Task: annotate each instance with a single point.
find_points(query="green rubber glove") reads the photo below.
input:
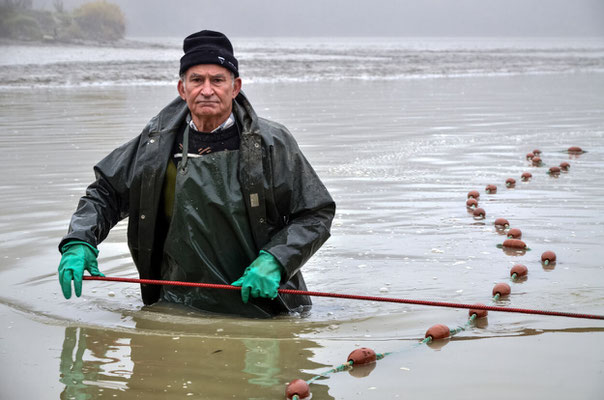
(77, 257)
(261, 278)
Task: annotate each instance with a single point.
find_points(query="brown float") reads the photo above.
(297, 387)
(536, 152)
(575, 150)
(519, 270)
(490, 189)
(510, 182)
(529, 156)
(564, 166)
(526, 176)
(514, 244)
(479, 213)
(364, 355)
(473, 194)
(548, 257)
(471, 203)
(554, 171)
(502, 222)
(503, 289)
(437, 332)
(479, 313)
(514, 233)
(536, 161)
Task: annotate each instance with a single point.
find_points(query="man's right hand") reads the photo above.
(77, 257)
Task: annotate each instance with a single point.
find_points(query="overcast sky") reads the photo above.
(361, 17)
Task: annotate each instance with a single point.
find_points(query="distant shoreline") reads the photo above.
(119, 44)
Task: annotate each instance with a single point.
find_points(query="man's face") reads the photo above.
(209, 91)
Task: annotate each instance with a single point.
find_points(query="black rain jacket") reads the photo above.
(289, 209)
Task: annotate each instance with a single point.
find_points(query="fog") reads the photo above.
(525, 18)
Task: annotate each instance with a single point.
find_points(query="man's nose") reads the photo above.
(206, 89)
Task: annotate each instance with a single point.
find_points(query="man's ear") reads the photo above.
(181, 89)
(237, 86)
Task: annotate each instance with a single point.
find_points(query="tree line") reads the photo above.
(99, 21)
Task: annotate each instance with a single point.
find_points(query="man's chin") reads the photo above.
(206, 111)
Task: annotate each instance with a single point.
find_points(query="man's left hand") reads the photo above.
(261, 278)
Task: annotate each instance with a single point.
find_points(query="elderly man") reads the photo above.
(213, 194)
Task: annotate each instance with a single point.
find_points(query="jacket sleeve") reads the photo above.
(106, 201)
(303, 203)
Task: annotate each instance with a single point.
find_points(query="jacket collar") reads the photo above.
(245, 114)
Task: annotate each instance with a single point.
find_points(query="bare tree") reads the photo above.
(59, 6)
(17, 4)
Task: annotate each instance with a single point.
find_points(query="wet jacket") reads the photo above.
(289, 209)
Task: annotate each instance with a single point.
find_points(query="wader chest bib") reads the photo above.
(209, 239)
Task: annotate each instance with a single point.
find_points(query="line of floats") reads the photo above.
(299, 389)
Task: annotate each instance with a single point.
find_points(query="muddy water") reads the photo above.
(399, 158)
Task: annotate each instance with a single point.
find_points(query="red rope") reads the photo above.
(353, 297)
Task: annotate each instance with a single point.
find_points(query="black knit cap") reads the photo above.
(208, 47)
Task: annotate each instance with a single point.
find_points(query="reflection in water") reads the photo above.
(437, 345)
(261, 360)
(72, 375)
(98, 363)
(361, 371)
(101, 361)
(513, 252)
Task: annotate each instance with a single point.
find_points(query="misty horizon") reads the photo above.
(380, 18)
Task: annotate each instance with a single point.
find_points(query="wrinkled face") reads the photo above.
(209, 91)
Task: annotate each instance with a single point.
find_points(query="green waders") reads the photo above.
(209, 239)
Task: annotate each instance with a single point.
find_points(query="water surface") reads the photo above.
(399, 157)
